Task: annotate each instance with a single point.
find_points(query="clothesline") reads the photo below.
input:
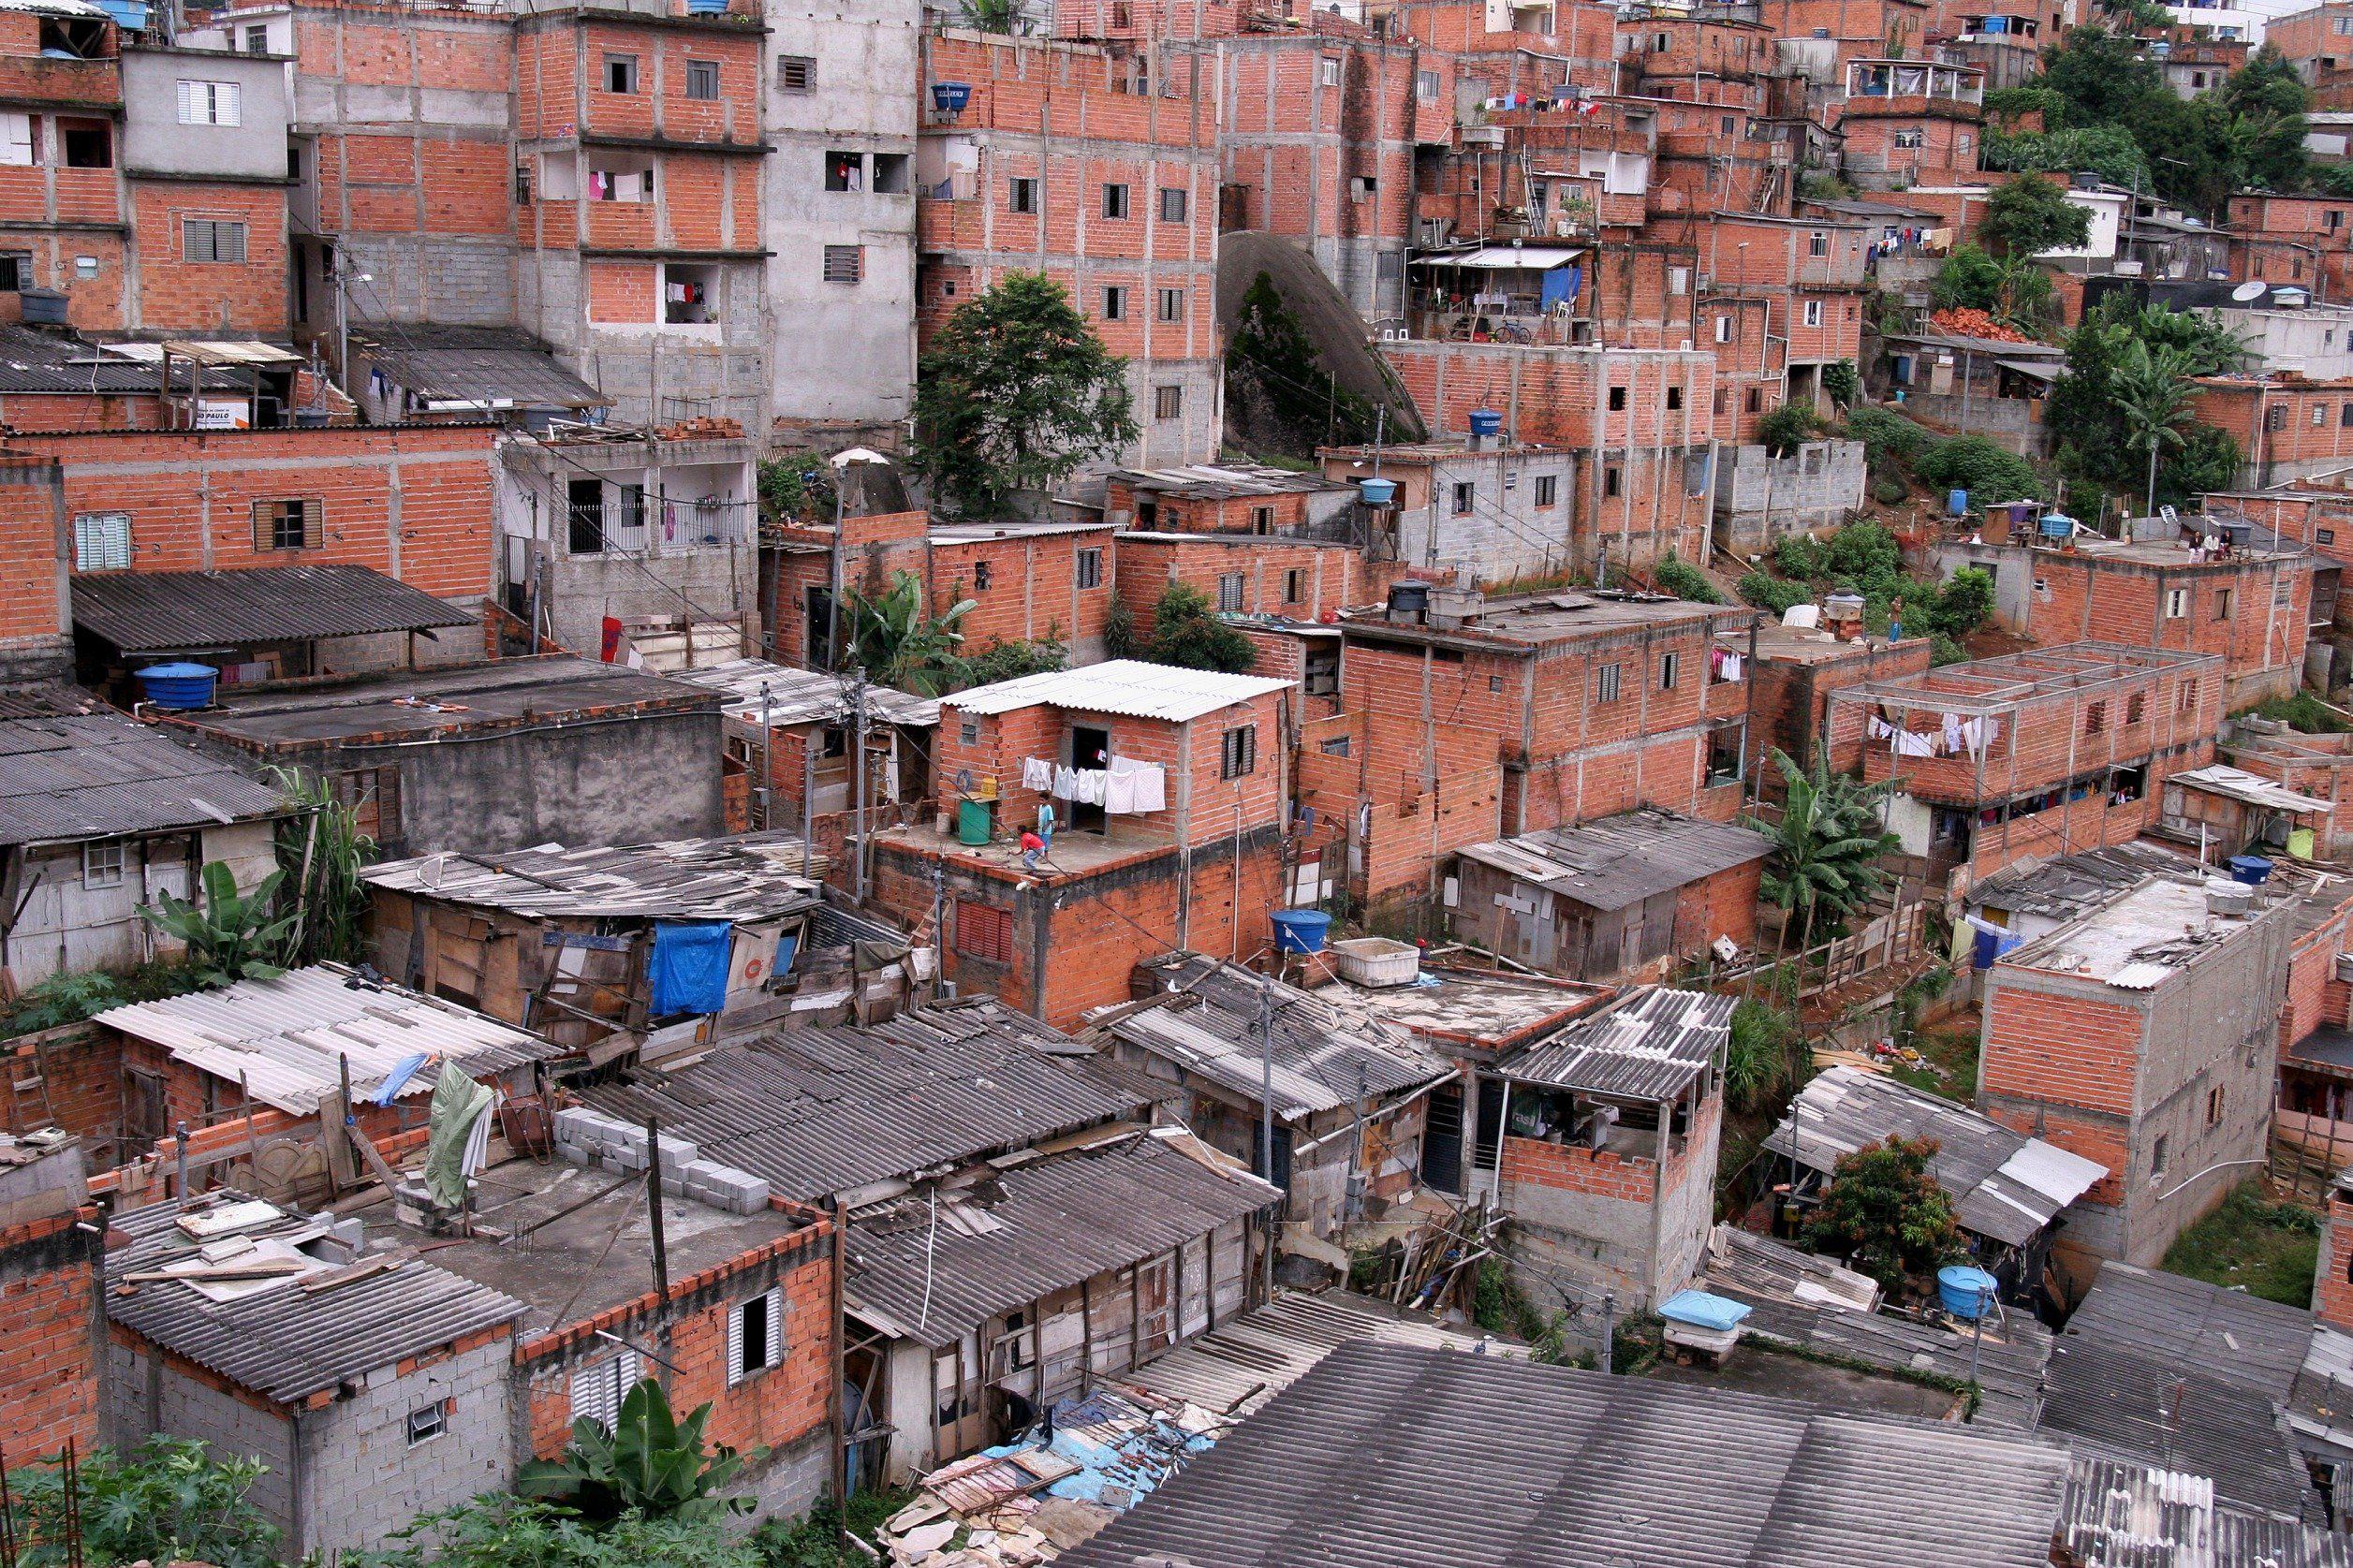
(1124, 787)
(1957, 736)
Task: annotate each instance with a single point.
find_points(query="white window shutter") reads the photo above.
(228, 104)
(187, 102)
(735, 1344)
(776, 1326)
(16, 140)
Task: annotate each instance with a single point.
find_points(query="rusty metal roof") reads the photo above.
(1622, 859)
(161, 612)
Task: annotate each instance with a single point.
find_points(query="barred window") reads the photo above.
(287, 524)
(845, 263)
(984, 932)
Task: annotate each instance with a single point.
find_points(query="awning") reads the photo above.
(160, 612)
(2251, 789)
(2040, 370)
(1523, 258)
(226, 354)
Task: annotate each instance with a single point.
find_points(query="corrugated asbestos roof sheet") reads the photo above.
(1622, 859)
(1814, 1305)
(157, 612)
(2004, 1184)
(800, 696)
(1126, 686)
(286, 1037)
(1208, 1025)
(683, 879)
(2252, 788)
(2074, 884)
(1037, 1228)
(284, 1342)
(97, 775)
(1410, 1457)
(2155, 1368)
(483, 364)
(820, 1111)
(2132, 1515)
(1245, 1361)
(1649, 1046)
(34, 360)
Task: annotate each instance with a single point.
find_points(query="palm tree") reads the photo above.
(2152, 392)
(1824, 863)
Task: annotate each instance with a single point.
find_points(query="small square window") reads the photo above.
(1294, 586)
(1239, 752)
(1617, 398)
(1612, 480)
(1426, 86)
(1724, 329)
(1669, 667)
(1547, 487)
(1172, 304)
(1261, 519)
(1173, 204)
(1114, 303)
(2135, 707)
(1115, 201)
(2319, 416)
(1674, 399)
(1167, 403)
(968, 732)
(845, 263)
(796, 73)
(2214, 1106)
(2224, 599)
(1814, 312)
(1817, 242)
(1329, 71)
(1605, 683)
(755, 1335)
(1495, 683)
(1090, 569)
(102, 542)
(102, 864)
(702, 79)
(288, 524)
(2324, 536)
(427, 1422)
(984, 932)
(621, 73)
(1466, 493)
(211, 239)
(1363, 188)
(844, 171)
(1021, 194)
(1230, 592)
(2095, 718)
(257, 39)
(2176, 603)
(983, 575)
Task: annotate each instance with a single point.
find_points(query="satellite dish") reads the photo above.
(2248, 291)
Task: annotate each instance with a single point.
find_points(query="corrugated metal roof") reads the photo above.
(96, 775)
(2254, 790)
(478, 364)
(158, 613)
(2156, 1369)
(1035, 1229)
(1208, 1025)
(1622, 859)
(1130, 687)
(683, 879)
(820, 1111)
(1245, 1361)
(35, 360)
(1649, 1045)
(287, 1037)
(2075, 884)
(1410, 1457)
(800, 696)
(2004, 1184)
(2133, 1515)
(284, 1342)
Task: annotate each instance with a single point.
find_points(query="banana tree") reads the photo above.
(899, 643)
(229, 936)
(649, 1463)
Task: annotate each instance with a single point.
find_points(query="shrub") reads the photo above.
(1770, 593)
(1788, 427)
(1964, 604)
(166, 1501)
(1987, 471)
(1685, 581)
(1863, 551)
(1801, 556)
(1943, 650)
(1885, 435)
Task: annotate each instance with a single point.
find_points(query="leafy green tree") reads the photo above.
(1276, 384)
(1761, 1059)
(2031, 215)
(1823, 866)
(1015, 394)
(1785, 428)
(2101, 78)
(2266, 100)
(2107, 150)
(650, 1464)
(1962, 605)
(992, 16)
(1886, 1216)
(322, 852)
(1988, 472)
(1187, 633)
(500, 1531)
(1864, 552)
(897, 641)
(1840, 382)
(168, 1501)
(794, 486)
(229, 936)
(1969, 280)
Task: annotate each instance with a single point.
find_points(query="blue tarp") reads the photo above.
(688, 968)
(1561, 284)
(1703, 1310)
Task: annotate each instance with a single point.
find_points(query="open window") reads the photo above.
(690, 294)
(85, 144)
(620, 177)
(891, 174)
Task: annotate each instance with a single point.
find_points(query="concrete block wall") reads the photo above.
(362, 1478)
(588, 1137)
(147, 1391)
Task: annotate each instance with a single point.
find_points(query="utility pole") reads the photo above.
(653, 1208)
(1266, 1109)
(1609, 1330)
(767, 772)
(833, 587)
(858, 786)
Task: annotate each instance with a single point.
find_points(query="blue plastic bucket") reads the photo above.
(1301, 931)
(1957, 503)
(1377, 493)
(179, 686)
(1965, 1291)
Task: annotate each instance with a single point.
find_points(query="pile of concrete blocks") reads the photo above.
(588, 1137)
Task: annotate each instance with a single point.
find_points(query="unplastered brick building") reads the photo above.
(2143, 1036)
(1168, 791)
(51, 1244)
(2037, 753)
(1098, 169)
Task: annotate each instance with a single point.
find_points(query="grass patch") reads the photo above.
(2303, 712)
(2252, 1244)
(1953, 1048)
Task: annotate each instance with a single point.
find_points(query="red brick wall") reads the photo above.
(1033, 592)
(2333, 1282)
(2067, 1053)
(31, 615)
(177, 294)
(191, 494)
(2081, 598)
(1329, 577)
(48, 1298)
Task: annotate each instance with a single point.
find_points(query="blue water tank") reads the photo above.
(1965, 1290)
(1957, 502)
(179, 686)
(1376, 493)
(1301, 931)
(1486, 421)
(949, 97)
(2252, 869)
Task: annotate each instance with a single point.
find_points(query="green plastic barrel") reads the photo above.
(972, 822)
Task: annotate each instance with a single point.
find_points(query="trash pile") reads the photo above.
(1029, 1502)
